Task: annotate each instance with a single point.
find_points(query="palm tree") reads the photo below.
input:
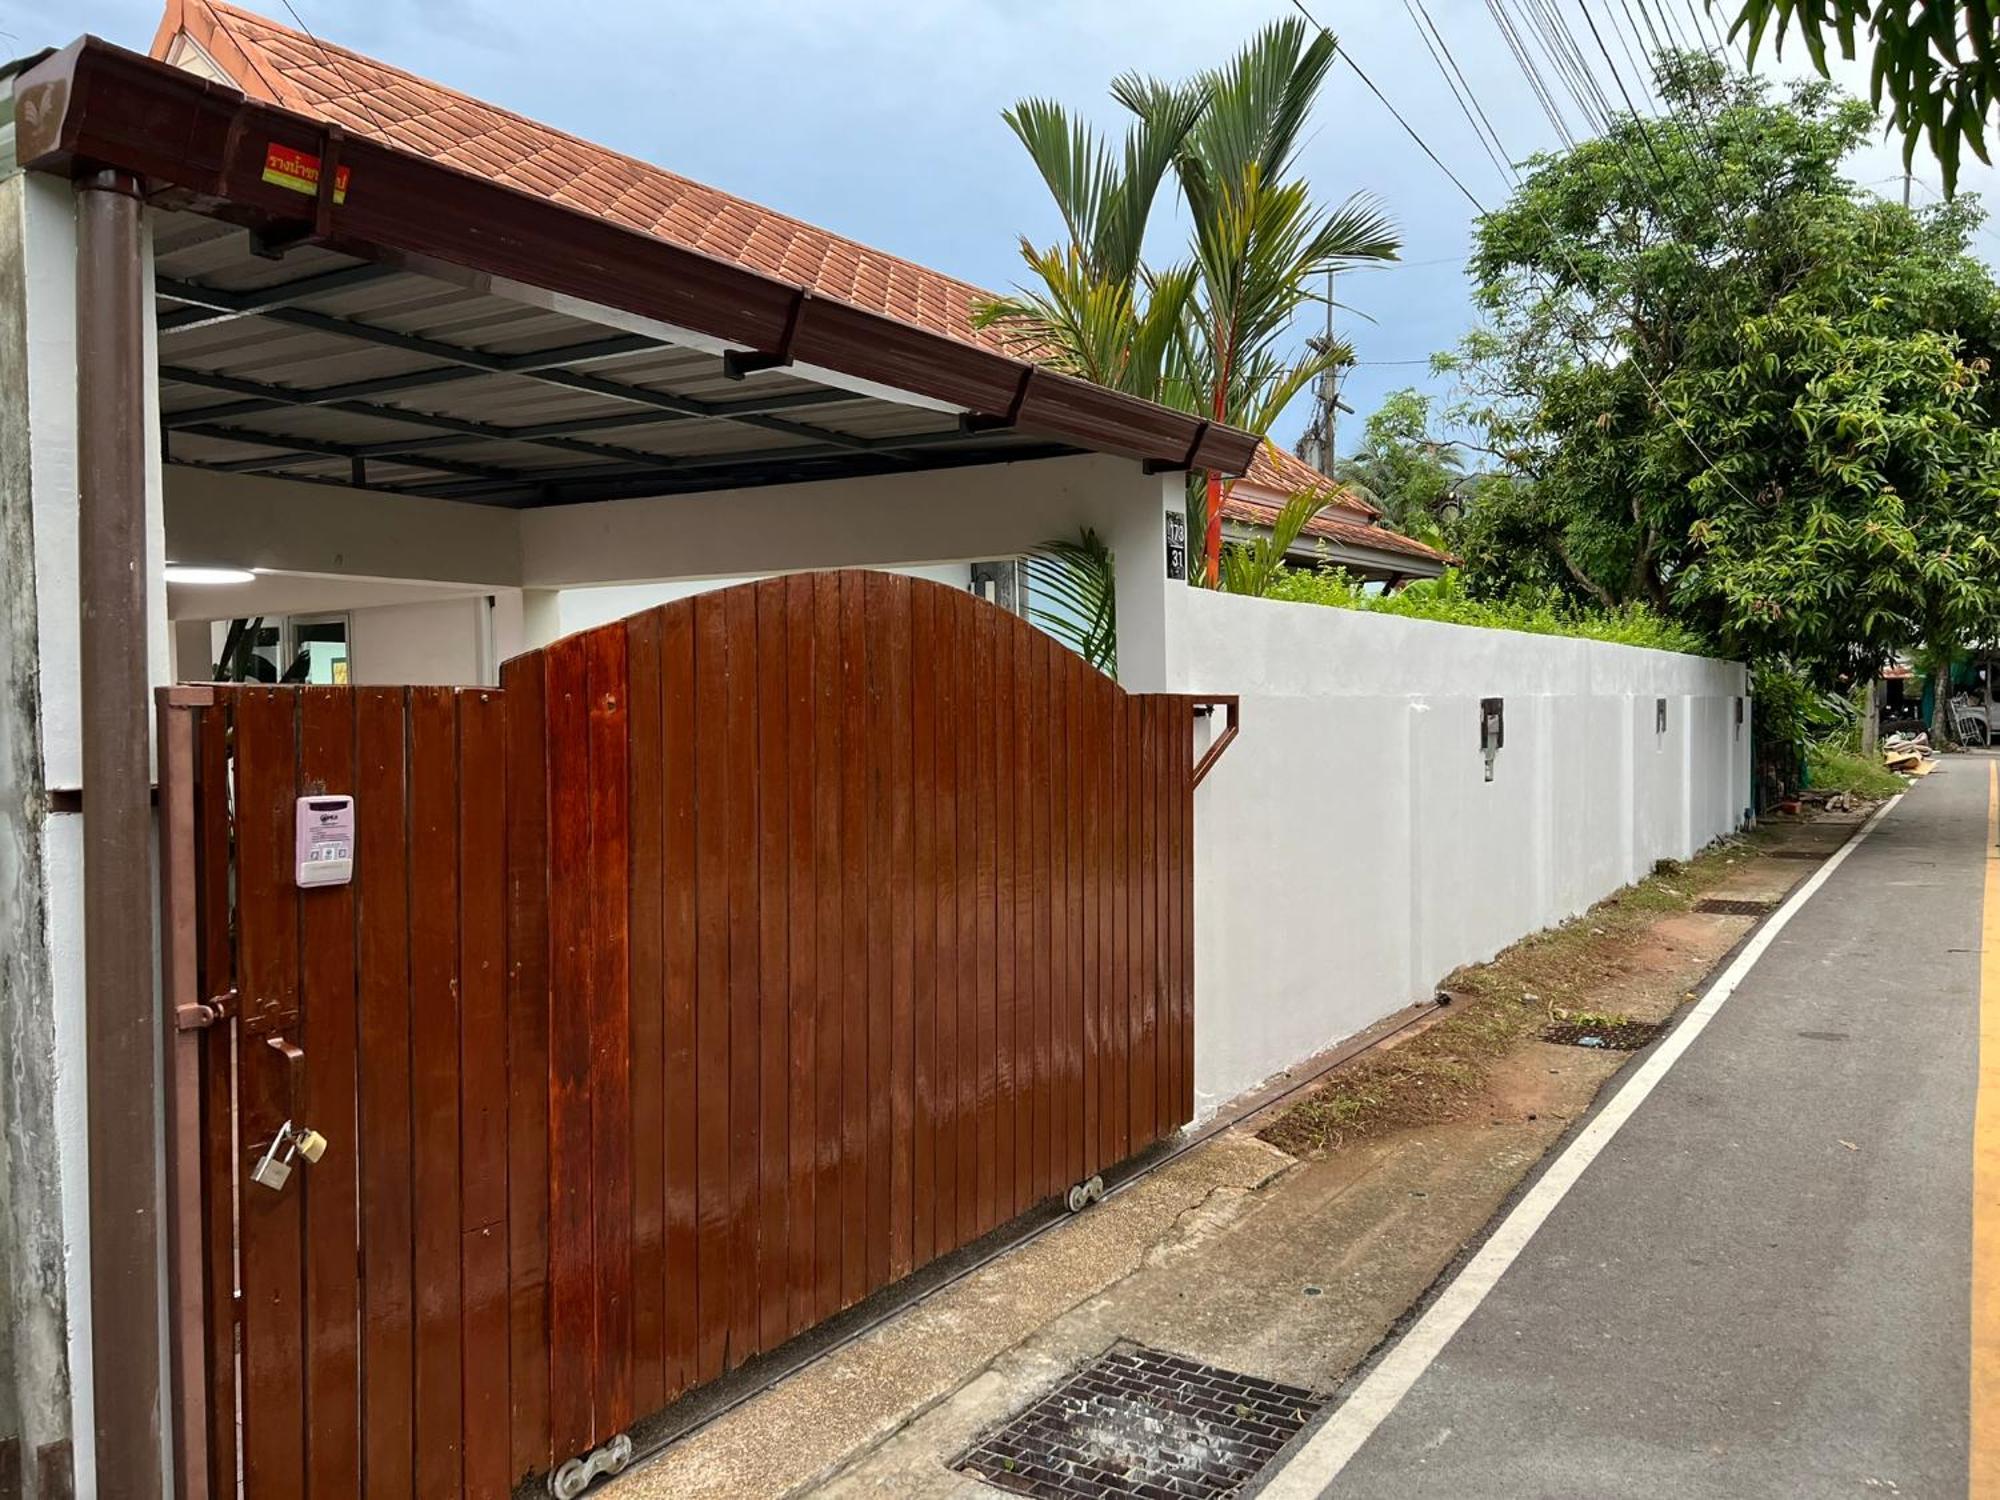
(1203, 334)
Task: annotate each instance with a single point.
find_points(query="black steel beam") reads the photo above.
(215, 306)
(533, 366)
(293, 448)
(886, 455)
(266, 397)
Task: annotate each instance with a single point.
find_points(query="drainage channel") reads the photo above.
(1731, 906)
(1137, 1421)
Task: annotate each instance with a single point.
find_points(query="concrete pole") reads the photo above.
(120, 1014)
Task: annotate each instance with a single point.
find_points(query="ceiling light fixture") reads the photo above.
(176, 573)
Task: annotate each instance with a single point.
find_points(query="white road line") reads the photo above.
(1308, 1473)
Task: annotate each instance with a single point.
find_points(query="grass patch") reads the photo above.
(1554, 974)
(1834, 769)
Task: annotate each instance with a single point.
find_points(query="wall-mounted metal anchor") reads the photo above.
(1085, 1193)
(574, 1477)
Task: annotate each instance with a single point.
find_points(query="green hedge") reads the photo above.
(1445, 599)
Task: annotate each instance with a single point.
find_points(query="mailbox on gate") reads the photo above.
(325, 840)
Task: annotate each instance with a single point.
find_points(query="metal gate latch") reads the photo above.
(574, 1477)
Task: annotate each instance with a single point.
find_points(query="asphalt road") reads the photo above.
(1761, 1287)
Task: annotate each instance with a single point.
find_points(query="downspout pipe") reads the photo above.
(120, 1014)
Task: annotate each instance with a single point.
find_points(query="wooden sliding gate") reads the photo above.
(727, 964)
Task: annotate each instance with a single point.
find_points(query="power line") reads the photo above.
(1495, 153)
(1710, 465)
(1408, 128)
(1536, 83)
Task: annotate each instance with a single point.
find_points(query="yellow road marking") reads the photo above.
(1985, 1453)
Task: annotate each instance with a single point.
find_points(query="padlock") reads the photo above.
(273, 1171)
(311, 1144)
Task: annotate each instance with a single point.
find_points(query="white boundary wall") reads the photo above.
(1349, 852)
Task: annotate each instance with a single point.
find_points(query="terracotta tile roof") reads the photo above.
(280, 66)
(1335, 526)
(284, 67)
(1283, 474)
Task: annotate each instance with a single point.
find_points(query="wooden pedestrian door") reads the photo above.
(725, 965)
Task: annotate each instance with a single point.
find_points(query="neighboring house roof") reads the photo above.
(280, 66)
(1348, 521)
(1338, 527)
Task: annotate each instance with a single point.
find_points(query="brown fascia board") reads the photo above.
(203, 145)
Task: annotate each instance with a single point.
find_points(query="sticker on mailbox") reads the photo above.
(325, 840)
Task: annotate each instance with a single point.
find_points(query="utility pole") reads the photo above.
(1316, 446)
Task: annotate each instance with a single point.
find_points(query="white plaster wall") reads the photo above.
(436, 644)
(1349, 852)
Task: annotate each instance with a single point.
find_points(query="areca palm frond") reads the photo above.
(1253, 566)
(1207, 336)
(1077, 578)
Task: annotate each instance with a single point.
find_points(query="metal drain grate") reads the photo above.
(1139, 1422)
(1730, 906)
(1625, 1036)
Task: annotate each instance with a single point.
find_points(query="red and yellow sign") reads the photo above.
(299, 171)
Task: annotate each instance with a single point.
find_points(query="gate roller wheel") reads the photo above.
(574, 1477)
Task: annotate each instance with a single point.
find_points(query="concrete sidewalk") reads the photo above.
(1761, 1286)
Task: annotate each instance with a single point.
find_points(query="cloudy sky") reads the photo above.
(880, 119)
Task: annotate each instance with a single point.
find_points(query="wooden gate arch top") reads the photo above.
(727, 964)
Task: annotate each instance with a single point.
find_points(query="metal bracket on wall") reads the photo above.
(1203, 707)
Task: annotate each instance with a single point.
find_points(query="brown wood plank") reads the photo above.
(383, 1148)
(1183, 793)
(947, 616)
(572, 1292)
(855, 903)
(482, 962)
(1064, 1117)
(645, 936)
(524, 683)
(971, 707)
(774, 913)
(1019, 832)
(1151, 803)
(923, 922)
(1089, 753)
(328, 1025)
(682, 1159)
(1042, 799)
(802, 969)
(987, 847)
(875, 594)
(220, 1152)
(268, 970)
(434, 1077)
(712, 1012)
(1075, 669)
(1138, 934)
(1007, 1029)
(483, 1279)
(610, 1027)
(829, 927)
(740, 721)
(1121, 949)
(895, 726)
